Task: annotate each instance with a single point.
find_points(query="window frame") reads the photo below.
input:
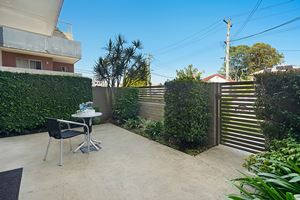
(28, 61)
(64, 67)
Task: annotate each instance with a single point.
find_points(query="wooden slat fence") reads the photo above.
(151, 100)
(153, 94)
(236, 124)
(240, 127)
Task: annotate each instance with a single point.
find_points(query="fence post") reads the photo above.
(218, 113)
(214, 131)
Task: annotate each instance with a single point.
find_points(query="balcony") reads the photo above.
(11, 38)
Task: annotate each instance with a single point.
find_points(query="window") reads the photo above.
(64, 69)
(29, 64)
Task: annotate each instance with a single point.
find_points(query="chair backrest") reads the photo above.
(53, 127)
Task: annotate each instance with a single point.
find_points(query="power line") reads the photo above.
(248, 18)
(263, 8)
(271, 15)
(192, 36)
(194, 53)
(160, 75)
(291, 50)
(267, 30)
(195, 40)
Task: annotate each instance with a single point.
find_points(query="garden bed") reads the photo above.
(154, 130)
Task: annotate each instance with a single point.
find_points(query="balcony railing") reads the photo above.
(36, 71)
(23, 40)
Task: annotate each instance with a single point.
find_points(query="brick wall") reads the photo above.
(9, 60)
(57, 66)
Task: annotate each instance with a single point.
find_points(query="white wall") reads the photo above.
(217, 79)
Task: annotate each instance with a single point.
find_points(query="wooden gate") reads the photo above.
(239, 125)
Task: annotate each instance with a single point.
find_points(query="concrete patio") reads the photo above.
(127, 167)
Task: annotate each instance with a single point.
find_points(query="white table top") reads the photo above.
(86, 115)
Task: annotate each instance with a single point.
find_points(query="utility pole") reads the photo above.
(227, 42)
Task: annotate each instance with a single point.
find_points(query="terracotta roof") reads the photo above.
(214, 75)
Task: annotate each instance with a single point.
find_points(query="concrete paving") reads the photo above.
(128, 166)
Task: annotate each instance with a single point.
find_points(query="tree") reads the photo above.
(139, 75)
(188, 73)
(121, 60)
(263, 56)
(238, 64)
(245, 60)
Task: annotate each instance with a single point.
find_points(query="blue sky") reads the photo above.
(175, 31)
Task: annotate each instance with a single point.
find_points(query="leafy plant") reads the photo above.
(122, 61)
(132, 123)
(146, 127)
(96, 121)
(239, 57)
(280, 151)
(187, 113)
(270, 186)
(152, 128)
(125, 105)
(26, 99)
(278, 104)
(189, 73)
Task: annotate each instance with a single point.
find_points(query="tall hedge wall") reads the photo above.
(125, 104)
(187, 114)
(26, 99)
(278, 104)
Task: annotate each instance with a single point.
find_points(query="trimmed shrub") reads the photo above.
(125, 105)
(187, 113)
(278, 104)
(26, 99)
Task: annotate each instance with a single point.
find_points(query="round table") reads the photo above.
(87, 119)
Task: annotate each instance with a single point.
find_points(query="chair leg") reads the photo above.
(45, 157)
(61, 153)
(70, 144)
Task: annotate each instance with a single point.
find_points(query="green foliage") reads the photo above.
(189, 73)
(26, 99)
(270, 186)
(245, 60)
(276, 173)
(138, 76)
(125, 105)
(187, 114)
(278, 104)
(122, 61)
(238, 65)
(96, 121)
(132, 123)
(262, 56)
(280, 151)
(147, 127)
(152, 129)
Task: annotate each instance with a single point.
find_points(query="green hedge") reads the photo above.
(187, 114)
(278, 104)
(26, 99)
(125, 104)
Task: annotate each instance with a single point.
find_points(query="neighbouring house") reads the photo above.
(30, 40)
(216, 78)
(281, 68)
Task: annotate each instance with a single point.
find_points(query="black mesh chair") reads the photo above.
(55, 131)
